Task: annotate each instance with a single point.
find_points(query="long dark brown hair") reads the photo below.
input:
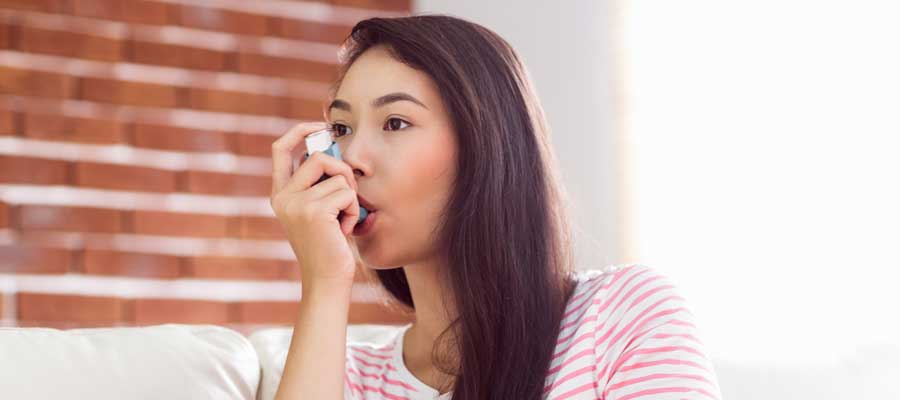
(504, 232)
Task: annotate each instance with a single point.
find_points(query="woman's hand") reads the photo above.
(308, 212)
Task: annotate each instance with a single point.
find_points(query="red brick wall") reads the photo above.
(135, 157)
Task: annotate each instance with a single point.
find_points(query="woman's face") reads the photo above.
(403, 154)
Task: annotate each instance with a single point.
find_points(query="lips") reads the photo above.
(365, 203)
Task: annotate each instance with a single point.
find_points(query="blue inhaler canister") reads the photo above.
(322, 141)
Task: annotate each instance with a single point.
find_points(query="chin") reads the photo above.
(374, 259)
(380, 267)
(374, 266)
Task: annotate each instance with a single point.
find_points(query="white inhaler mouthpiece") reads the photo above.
(322, 141)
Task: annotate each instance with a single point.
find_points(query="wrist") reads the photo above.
(326, 291)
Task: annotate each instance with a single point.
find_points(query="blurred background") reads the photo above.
(135, 159)
(749, 150)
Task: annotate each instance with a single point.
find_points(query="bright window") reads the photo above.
(764, 141)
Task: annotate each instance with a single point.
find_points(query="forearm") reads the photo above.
(315, 364)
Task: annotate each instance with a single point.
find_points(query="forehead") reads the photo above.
(376, 73)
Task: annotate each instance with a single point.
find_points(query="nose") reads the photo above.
(354, 152)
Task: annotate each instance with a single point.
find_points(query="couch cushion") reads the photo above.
(272, 346)
(170, 361)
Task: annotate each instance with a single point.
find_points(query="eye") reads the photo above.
(339, 130)
(392, 124)
(395, 126)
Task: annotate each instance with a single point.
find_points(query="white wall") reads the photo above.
(566, 51)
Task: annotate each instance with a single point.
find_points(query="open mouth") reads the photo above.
(366, 225)
(365, 204)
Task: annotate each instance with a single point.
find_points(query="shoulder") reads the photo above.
(610, 281)
(609, 310)
(630, 304)
(645, 338)
(628, 296)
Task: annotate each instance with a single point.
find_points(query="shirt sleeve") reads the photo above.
(648, 345)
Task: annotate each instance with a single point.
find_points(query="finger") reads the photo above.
(283, 149)
(344, 200)
(327, 187)
(317, 164)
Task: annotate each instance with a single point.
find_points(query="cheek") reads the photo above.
(426, 176)
(427, 171)
(423, 177)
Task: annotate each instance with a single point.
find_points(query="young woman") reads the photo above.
(444, 142)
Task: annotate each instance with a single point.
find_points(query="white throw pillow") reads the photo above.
(169, 361)
(272, 346)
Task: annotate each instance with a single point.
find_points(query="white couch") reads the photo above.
(181, 361)
(169, 361)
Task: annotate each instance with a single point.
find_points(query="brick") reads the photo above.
(207, 182)
(304, 109)
(176, 56)
(311, 31)
(86, 219)
(98, 131)
(123, 177)
(386, 5)
(261, 64)
(293, 274)
(35, 83)
(165, 137)
(20, 259)
(125, 92)
(45, 126)
(67, 43)
(161, 311)
(73, 129)
(268, 312)
(53, 6)
(6, 35)
(63, 308)
(20, 169)
(254, 145)
(236, 268)
(236, 102)
(146, 12)
(221, 20)
(120, 263)
(179, 224)
(253, 227)
(8, 122)
(5, 217)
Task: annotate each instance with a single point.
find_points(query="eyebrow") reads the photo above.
(379, 102)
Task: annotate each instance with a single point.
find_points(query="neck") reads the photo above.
(434, 303)
(434, 312)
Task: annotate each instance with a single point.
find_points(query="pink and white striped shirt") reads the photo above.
(626, 334)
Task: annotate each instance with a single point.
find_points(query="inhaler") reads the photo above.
(322, 141)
